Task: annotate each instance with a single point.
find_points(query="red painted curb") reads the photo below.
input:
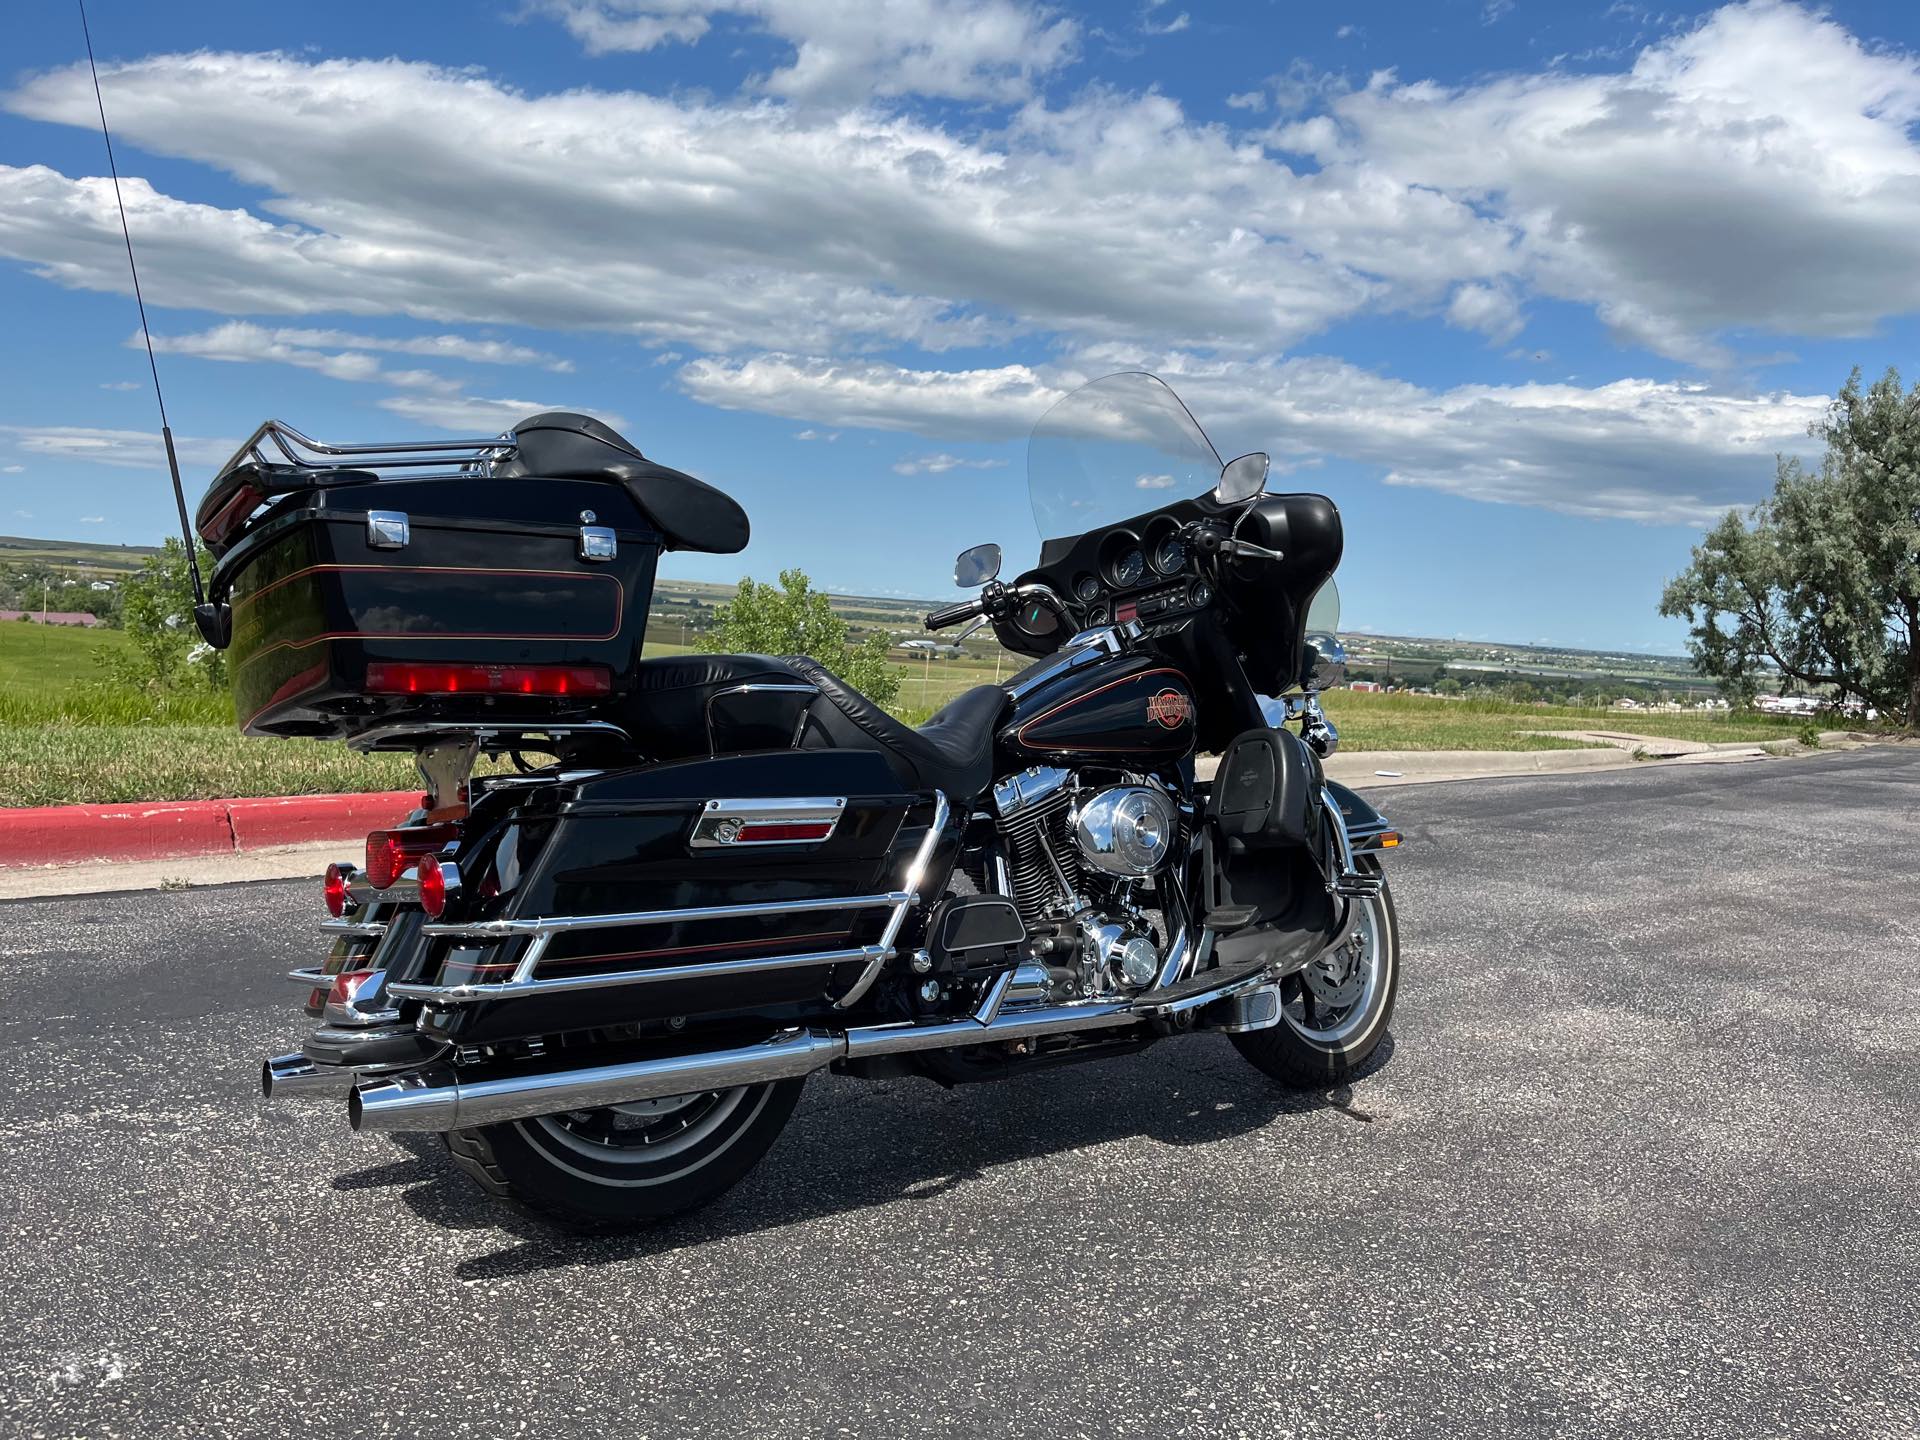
(161, 829)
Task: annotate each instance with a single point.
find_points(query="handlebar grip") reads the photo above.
(953, 614)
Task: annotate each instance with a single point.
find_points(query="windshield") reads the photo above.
(1323, 615)
(1113, 449)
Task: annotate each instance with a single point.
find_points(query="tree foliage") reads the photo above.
(156, 608)
(1820, 585)
(792, 618)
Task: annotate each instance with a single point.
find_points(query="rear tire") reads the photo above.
(1317, 1044)
(632, 1165)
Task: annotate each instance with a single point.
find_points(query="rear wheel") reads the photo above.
(1335, 1013)
(628, 1165)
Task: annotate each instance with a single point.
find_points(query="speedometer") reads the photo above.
(1170, 554)
(1130, 568)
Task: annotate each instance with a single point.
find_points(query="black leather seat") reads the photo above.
(952, 752)
(687, 705)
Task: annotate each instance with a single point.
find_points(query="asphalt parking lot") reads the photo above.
(1641, 1162)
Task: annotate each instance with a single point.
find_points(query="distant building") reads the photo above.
(1368, 685)
(53, 617)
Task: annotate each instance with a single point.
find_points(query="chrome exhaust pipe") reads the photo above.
(437, 1100)
(295, 1077)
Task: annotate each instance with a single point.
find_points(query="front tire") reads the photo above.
(1335, 1013)
(624, 1166)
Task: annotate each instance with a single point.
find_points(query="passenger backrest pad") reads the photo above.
(1267, 790)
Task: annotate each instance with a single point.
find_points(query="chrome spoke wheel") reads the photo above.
(643, 1131)
(1335, 996)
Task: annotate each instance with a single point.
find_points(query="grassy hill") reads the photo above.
(75, 555)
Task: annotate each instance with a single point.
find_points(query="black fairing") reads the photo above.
(1267, 602)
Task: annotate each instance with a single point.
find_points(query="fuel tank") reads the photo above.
(1113, 709)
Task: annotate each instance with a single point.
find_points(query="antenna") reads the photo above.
(166, 431)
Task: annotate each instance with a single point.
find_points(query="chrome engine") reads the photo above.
(1073, 855)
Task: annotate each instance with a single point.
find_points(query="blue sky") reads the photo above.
(1532, 290)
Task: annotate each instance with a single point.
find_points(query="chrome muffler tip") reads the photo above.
(400, 1106)
(295, 1077)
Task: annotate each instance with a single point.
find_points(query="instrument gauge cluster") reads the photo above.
(1086, 589)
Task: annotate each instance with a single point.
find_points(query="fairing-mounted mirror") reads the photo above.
(975, 567)
(1242, 479)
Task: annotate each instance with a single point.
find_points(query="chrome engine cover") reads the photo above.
(1126, 830)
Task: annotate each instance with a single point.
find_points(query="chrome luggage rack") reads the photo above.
(298, 455)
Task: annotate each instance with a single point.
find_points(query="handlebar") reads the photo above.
(956, 613)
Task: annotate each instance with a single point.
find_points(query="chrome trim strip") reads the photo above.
(561, 924)
(706, 970)
(717, 817)
(356, 929)
(916, 876)
(312, 975)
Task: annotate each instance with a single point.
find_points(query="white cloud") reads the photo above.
(764, 227)
(1692, 193)
(849, 51)
(123, 385)
(1173, 26)
(1489, 309)
(829, 436)
(475, 415)
(127, 449)
(1254, 100)
(1153, 482)
(1656, 451)
(93, 519)
(12, 469)
(991, 404)
(941, 463)
(242, 341)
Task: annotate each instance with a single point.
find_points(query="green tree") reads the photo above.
(156, 607)
(1820, 585)
(792, 618)
(1446, 685)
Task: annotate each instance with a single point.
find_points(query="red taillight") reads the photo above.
(335, 889)
(406, 677)
(390, 852)
(433, 888)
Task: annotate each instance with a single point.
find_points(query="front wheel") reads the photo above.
(1334, 1013)
(628, 1165)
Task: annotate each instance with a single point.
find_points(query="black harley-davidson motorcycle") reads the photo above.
(603, 967)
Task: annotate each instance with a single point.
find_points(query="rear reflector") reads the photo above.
(390, 852)
(403, 677)
(335, 889)
(766, 831)
(433, 889)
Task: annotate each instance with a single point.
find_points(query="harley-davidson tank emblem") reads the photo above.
(1170, 709)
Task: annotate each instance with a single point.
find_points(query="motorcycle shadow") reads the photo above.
(855, 1145)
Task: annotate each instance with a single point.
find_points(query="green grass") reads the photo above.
(69, 737)
(77, 764)
(1369, 721)
(38, 658)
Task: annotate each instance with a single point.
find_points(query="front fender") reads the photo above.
(1367, 828)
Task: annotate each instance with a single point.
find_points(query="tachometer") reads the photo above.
(1170, 554)
(1129, 568)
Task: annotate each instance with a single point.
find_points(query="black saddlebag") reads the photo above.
(645, 856)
